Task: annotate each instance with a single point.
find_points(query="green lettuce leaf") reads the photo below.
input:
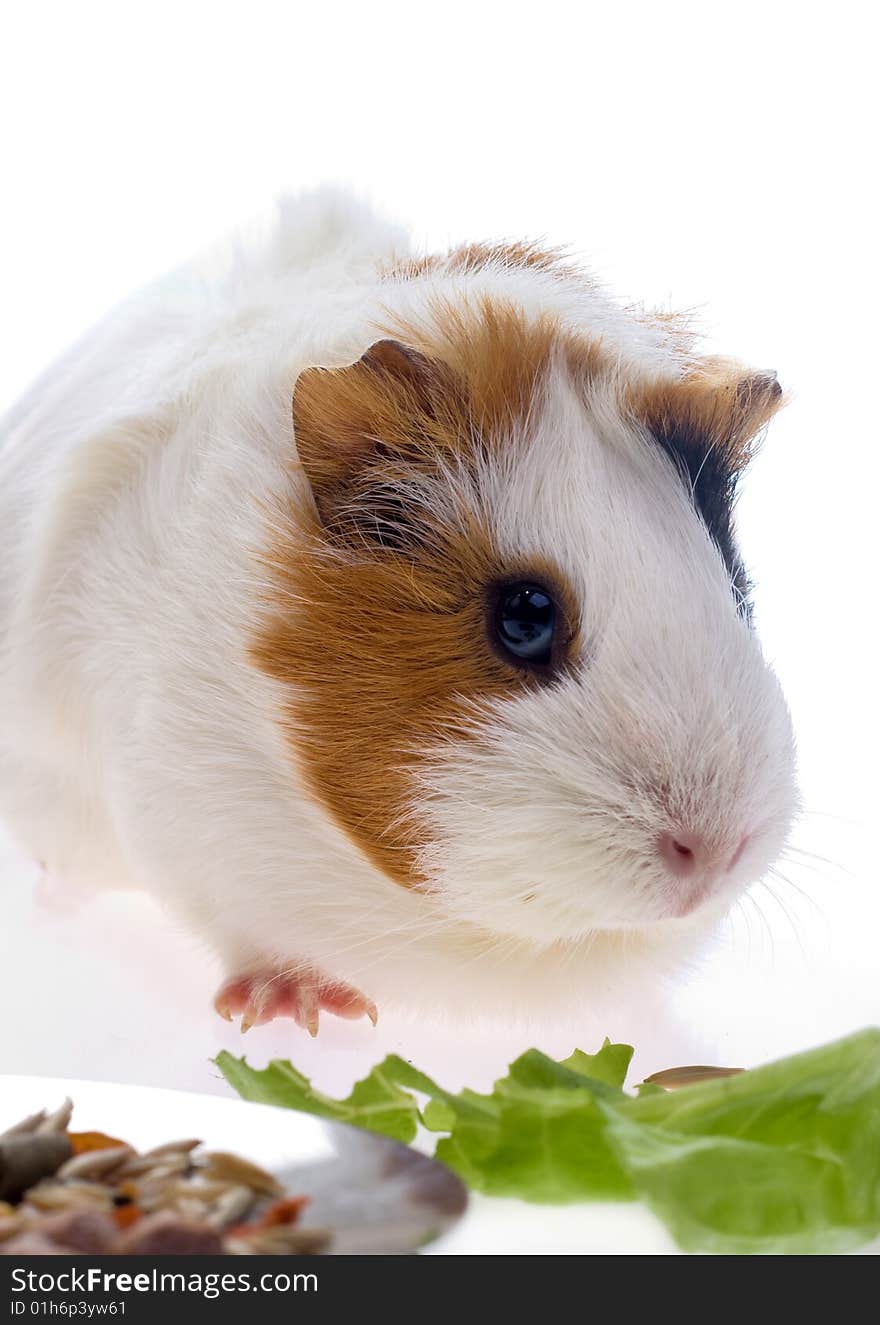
(784, 1158)
(375, 1103)
(541, 1133)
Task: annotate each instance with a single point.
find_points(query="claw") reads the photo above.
(298, 993)
(307, 1007)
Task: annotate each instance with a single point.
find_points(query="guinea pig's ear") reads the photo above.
(347, 419)
(719, 406)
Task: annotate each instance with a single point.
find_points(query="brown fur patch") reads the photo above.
(502, 358)
(519, 255)
(718, 404)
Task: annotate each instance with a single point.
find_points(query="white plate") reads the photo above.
(376, 1195)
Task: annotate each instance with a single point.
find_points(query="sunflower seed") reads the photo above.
(183, 1147)
(26, 1158)
(66, 1195)
(95, 1163)
(152, 1168)
(221, 1164)
(674, 1078)
(57, 1121)
(231, 1207)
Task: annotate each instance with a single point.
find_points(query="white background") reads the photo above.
(721, 158)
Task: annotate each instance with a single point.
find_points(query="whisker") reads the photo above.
(768, 928)
(795, 930)
(776, 873)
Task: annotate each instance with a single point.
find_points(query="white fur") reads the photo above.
(139, 747)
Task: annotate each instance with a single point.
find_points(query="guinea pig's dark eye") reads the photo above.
(525, 623)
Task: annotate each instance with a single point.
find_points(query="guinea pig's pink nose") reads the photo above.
(682, 852)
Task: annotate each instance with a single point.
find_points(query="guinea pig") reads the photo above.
(382, 616)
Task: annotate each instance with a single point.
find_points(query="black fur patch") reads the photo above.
(711, 483)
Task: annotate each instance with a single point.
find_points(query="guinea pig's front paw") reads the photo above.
(302, 993)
